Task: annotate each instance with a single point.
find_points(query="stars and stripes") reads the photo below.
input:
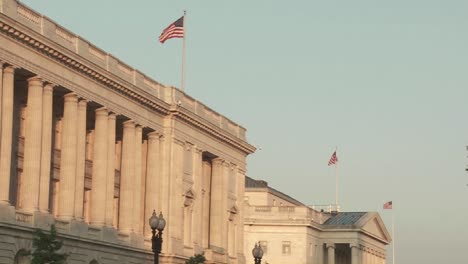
(174, 30)
(388, 205)
(333, 159)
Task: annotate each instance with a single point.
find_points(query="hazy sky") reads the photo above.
(385, 81)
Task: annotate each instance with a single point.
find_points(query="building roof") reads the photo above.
(344, 218)
(256, 184)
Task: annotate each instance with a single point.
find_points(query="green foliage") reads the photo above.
(46, 247)
(197, 259)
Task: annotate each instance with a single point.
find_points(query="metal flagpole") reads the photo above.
(182, 85)
(336, 177)
(393, 237)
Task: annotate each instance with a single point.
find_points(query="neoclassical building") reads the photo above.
(290, 232)
(94, 146)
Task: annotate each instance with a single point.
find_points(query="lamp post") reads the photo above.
(157, 223)
(257, 253)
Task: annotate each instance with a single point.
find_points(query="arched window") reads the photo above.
(22, 257)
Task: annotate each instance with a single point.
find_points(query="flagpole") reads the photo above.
(336, 180)
(182, 85)
(393, 237)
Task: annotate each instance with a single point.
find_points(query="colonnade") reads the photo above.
(359, 255)
(83, 162)
(34, 192)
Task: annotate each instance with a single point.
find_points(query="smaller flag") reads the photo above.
(333, 159)
(174, 30)
(388, 205)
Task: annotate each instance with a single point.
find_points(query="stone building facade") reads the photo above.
(94, 146)
(291, 232)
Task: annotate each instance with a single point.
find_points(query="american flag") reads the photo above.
(174, 30)
(388, 205)
(333, 159)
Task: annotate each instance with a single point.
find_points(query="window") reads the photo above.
(264, 246)
(286, 247)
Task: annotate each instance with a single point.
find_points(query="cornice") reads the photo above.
(38, 44)
(212, 130)
(42, 45)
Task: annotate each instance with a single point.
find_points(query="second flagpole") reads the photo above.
(182, 84)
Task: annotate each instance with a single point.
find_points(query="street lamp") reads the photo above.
(157, 223)
(257, 253)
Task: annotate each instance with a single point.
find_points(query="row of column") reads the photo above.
(36, 175)
(356, 258)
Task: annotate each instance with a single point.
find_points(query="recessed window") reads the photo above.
(264, 246)
(286, 247)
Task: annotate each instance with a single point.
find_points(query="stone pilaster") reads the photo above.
(153, 179)
(206, 196)
(137, 206)
(218, 210)
(110, 170)
(354, 253)
(29, 188)
(46, 155)
(331, 253)
(80, 159)
(6, 133)
(126, 177)
(98, 186)
(66, 197)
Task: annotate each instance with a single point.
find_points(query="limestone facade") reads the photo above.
(291, 232)
(94, 146)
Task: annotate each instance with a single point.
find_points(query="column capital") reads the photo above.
(101, 111)
(49, 87)
(354, 245)
(154, 135)
(129, 123)
(10, 69)
(49, 84)
(35, 80)
(70, 97)
(82, 102)
(112, 115)
(330, 245)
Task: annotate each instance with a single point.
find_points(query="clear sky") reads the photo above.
(385, 81)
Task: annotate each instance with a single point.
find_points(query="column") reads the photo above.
(319, 257)
(29, 188)
(218, 210)
(6, 133)
(46, 155)
(206, 197)
(153, 178)
(126, 177)
(98, 183)
(80, 159)
(331, 253)
(110, 169)
(137, 207)
(354, 253)
(66, 197)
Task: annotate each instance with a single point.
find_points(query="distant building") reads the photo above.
(291, 232)
(93, 146)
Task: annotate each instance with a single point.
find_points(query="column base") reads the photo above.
(42, 220)
(78, 228)
(7, 213)
(137, 240)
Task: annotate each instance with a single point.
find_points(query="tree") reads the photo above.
(46, 247)
(197, 259)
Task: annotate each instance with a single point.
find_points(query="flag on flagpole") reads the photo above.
(333, 159)
(388, 205)
(174, 30)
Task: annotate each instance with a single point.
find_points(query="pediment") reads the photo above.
(374, 226)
